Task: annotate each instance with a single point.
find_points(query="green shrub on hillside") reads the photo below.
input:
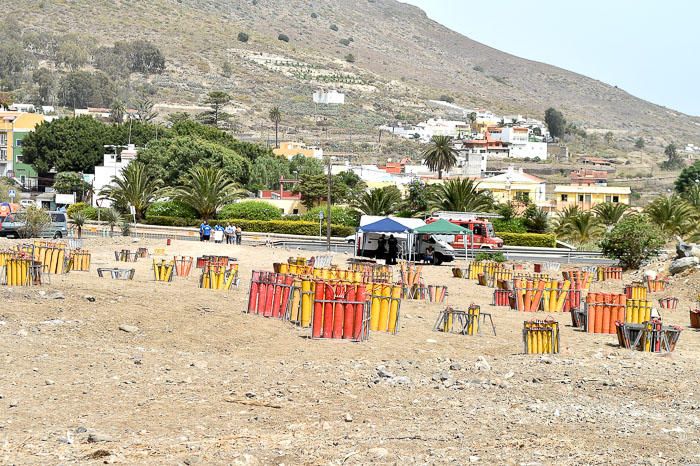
(251, 210)
(532, 240)
(283, 37)
(243, 37)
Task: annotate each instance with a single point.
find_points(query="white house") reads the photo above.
(329, 97)
(111, 167)
(520, 142)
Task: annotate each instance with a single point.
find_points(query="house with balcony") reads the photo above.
(290, 149)
(14, 127)
(515, 186)
(587, 196)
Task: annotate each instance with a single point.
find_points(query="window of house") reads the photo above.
(295, 211)
(18, 143)
(564, 198)
(608, 198)
(3, 153)
(580, 197)
(616, 198)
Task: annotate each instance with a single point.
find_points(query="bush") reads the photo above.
(514, 225)
(447, 98)
(243, 37)
(251, 210)
(283, 37)
(485, 256)
(350, 58)
(633, 240)
(334, 27)
(314, 15)
(532, 240)
(339, 215)
(344, 42)
(88, 211)
(170, 209)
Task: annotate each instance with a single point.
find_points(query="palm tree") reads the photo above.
(79, 220)
(440, 155)
(609, 213)
(275, 116)
(565, 217)
(206, 189)
(117, 111)
(582, 228)
(135, 187)
(673, 215)
(460, 195)
(378, 201)
(536, 219)
(112, 218)
(692, 196)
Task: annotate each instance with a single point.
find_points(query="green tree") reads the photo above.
(243, 37)
(639, 143)
(81, 89)
(245, 149)
(633, 240)
(170, 209)
(305, 165)
(535, 219)
(314, 189)
(350, 58)
(507, 210)
(379, 201)
(472, 121)
(689, 176)
(206, 189)
(168, 159)
(142, 56)
(217, 100)
(46, 85)
(564, 217)
(555, 121)
(69, 183)
(608, 138)
(72, 51)
(672, 214)
(133, 187)
(418, 197)
(33, 221)
(67, 144)
(340, 215)
(355, 186)
(692, 196)
(673, 159)
(440, 155)
(460, 195)
(266, 171)
(111, 217)
(276, 116)
(609, 213)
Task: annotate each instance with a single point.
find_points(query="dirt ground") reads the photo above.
(200, 382)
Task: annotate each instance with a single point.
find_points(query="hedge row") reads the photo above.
(533, 240)
(289, 227)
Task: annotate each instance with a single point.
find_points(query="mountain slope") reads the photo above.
(402, 58)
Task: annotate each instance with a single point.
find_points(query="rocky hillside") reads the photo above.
(400, 59)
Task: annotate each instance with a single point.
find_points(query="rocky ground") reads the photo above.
(101, 371)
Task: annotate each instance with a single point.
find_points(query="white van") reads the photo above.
(368, 245)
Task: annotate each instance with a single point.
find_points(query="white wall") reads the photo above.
(529, 149)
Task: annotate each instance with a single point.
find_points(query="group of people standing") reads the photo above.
(388, 249)
(231, 234)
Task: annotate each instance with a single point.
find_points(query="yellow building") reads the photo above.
(290, 149)
(515, 186)
(588, 196)
(14, 126)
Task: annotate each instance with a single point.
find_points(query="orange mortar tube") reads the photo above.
(339, 314)
(318, 309)
(360, 296)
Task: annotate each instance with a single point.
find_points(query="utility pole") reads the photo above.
(328, 208)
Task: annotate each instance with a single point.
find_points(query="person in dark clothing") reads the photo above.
(393, 250)
(381, 247)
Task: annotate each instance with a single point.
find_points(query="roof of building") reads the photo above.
(285, 195)
(592, 189)
(513, 176)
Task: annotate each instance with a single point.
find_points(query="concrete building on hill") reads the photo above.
(290, 149)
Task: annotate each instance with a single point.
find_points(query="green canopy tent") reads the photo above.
(444, 227)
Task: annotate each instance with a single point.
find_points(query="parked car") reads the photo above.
(12, 225)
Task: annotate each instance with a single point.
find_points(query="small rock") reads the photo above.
(200, 364)
(348, 417)
(14, 403)
(54, 295)
(378, 452)
(89, 298)
(49, 382)
(508, 375)
(80, 430)
(474, 459)
(482, 364)
(22, 333)
(455, 366)
(382, 372)
(250, 394)
(191, 460)
(96, 437)
(326, 425)
(430, 340)
(128, 328)
(401, 380)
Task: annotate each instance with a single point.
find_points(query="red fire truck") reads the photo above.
(484, 236)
